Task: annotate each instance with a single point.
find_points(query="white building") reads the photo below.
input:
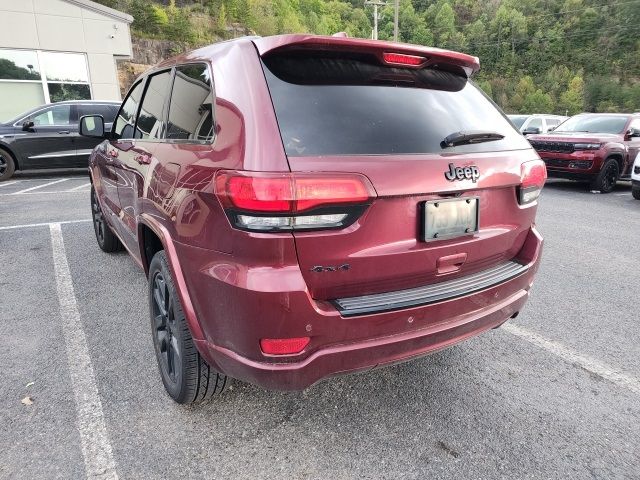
(52, 50)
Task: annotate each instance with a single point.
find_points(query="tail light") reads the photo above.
(533, 174)
(292, 201)
(283, 346)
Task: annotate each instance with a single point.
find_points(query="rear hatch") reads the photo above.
(347, 106)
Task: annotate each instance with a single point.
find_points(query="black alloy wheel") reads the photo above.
(7, 165)
(107, 240)
(610, 177)
(606, 180)
(186, 376)
(98, 219)
(165, 330)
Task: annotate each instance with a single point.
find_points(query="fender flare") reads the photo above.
(176, 270)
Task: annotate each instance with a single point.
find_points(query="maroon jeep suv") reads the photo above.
(594, 147)
(305, 206)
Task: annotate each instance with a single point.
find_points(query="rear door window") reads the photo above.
(126, 118)
(108, 112)
(150, 123)
(191, 107)
(349, 104)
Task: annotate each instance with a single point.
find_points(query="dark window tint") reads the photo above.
(594, 124)
(108, 112)
(150, 120)
(127, 115)
(191, 109)
(330, 104)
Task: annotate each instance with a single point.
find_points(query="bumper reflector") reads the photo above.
(283, 346)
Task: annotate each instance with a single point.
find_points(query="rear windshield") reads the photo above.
(335, 105)
(594, 124)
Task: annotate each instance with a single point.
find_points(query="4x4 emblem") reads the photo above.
(460, 173)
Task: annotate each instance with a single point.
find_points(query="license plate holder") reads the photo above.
(449, 218)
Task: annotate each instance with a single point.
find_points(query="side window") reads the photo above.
(150, 120)
(635, 124)
(535, 122)
(57, 115)
(191, 108)
(552, 122)
(127, 115)
(108, 112)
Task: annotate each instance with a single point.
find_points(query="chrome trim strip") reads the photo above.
(54, 155)
(435, 292)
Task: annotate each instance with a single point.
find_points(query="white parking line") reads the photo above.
(568, 354)
(41, 186)
(32, 225)
(6, 184)
(78, 188)
(96, 449)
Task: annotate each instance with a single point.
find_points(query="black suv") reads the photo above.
(47, 136)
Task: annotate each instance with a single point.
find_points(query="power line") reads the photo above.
(564, 12)
(531, 39)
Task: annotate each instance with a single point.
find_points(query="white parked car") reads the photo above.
(536, 123)
(635, 178)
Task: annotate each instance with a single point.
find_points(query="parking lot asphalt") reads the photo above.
(554, 393)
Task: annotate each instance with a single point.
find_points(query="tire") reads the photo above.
(635, 191)
(7, 165)
(606, 180)
(107, 240)
(187, 378)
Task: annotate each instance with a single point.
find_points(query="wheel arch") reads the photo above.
(618, 157)
(7, 148)
(153, 237)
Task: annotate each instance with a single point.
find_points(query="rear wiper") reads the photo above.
(470, 136)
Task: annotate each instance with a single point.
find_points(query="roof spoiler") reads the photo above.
(468, 63)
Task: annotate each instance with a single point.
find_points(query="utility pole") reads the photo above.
(376, 4)
(395, 20)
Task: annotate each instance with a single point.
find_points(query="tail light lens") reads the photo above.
(533, 174)
(283, 346)
(403, 59)
(292, 201)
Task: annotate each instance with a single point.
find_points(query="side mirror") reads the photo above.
(532, 131)
(551, 129)
(28, 126)
(92, 126)
(633, 132)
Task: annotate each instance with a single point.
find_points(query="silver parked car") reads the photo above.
(536, 123)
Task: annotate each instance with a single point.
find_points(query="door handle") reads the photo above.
(64, 132)
(143, 159)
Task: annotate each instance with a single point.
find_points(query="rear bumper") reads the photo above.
(344, 344)
(362, 355)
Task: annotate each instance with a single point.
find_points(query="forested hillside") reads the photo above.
(536, 55)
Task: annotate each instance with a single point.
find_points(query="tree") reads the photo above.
(445, 26)
(572, 100)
